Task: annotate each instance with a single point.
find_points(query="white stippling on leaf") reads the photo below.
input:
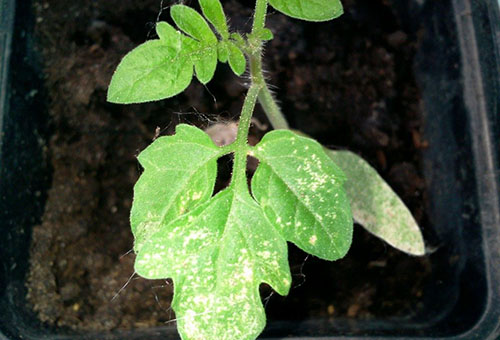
(313, 239)
(310, 190)
(217, 263)
(377, 207)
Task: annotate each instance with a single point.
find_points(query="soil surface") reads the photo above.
(348, 83)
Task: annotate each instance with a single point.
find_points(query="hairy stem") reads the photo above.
(272, 110)
(241, 144)
(259, 17)
(258, 91)
(257, 82)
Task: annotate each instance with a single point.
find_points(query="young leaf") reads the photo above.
(205, 66)
(376, 206)
(266, 34)
(204, 57)
(179, 174)
(301, 192)
(213, 11)
(237, 60)
(169, 35)
(238, 38)
(163, 68)
(151, 71)
(217, 256)
(222, 51)
(310, 10)
(192, 23)
(205, 61)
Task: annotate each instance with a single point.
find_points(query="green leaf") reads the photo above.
(205, 63)
(237, 60)
(222, 51)
(179, 174)
(265, 34)
(217, 256)
(169, 35)
(238, 38)
(213, 11)
(376, 206)
(204, 57)
(310, 10)
(301, 192)
(192, 23)
(163, 68)
(151, 71)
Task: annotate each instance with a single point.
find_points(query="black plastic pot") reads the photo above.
(458, 70)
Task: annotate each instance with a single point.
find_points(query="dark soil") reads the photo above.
(348, 83)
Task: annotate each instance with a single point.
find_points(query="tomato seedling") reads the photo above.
(218, 249)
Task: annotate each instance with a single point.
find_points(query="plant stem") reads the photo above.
(258, 91)
(241, 144)
(266, 99)
(259, 17)
(271, 109)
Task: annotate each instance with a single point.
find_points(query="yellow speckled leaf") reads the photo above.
(179, 174)
(217, 256)
(302, 194)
